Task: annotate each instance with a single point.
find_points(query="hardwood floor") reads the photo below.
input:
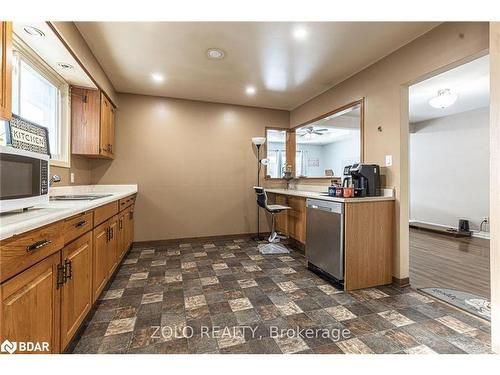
(443, 261)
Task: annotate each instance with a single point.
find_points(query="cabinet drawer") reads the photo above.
(103, 213)
(77, 225)
(22, 251)
(127, 202)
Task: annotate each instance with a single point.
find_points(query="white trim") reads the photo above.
(64, 116)
(475, 233)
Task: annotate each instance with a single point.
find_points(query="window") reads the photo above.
(41, 96)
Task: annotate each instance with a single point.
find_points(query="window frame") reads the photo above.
(28, 56)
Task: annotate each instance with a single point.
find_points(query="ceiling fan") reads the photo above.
(310, 130)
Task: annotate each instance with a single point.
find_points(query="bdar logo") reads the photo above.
(9, 347)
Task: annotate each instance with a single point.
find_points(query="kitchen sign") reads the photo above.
(28, 136)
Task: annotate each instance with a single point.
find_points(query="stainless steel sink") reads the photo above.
(79, 197)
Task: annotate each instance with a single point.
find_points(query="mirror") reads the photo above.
(325, 146)
(275, 153)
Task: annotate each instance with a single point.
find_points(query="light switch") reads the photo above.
(72, 178)
(388, 160)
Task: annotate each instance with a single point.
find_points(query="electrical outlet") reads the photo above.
(486, 219)
(388, 160)
(72, 178)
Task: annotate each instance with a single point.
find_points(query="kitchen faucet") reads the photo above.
(54, 178)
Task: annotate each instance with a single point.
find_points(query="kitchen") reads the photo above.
(145, 223)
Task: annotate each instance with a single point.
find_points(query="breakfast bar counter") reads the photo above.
(367, 237)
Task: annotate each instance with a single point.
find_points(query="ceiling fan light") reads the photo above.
(444, 99)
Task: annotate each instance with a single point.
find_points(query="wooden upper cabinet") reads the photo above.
(6, 70)
(31, 303)
(92, 122)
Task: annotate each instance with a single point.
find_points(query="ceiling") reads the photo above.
(471, 82)
(52, 51)
(287, 63)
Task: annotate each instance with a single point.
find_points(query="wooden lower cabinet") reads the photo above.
(76, 293)
(51, 288)
(297, 218)
(99, 259)
(292, 222)
(112, 252)
(31, 306)
(121, 249)
(130, 227)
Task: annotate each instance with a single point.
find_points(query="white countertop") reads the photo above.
(388, 195)
(13, 223)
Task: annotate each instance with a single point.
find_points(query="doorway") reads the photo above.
(449, 184)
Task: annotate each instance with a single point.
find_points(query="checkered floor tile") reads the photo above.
(223, 296)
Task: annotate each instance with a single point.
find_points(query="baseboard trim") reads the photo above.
(175, 241)
(401, 283)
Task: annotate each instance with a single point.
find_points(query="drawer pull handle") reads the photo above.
(80, 223)
(37, 245)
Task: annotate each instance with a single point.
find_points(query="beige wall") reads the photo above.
(72, 37)
(193, 161)
(80, 166)
(495, 183)
(384, 87)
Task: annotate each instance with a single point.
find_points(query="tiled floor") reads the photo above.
(225, 297)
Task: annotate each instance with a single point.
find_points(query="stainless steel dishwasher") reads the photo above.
(325, 237)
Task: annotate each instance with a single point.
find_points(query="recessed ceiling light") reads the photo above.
(64, 65)
(250, 90)
(215, 54)
(444, 99)
(157, 77)
(33, 31)
(300, 33)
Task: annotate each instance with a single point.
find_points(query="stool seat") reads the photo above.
(277, 207)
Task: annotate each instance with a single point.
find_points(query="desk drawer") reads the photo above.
(22, 251)
(78, 225)
(127, 202)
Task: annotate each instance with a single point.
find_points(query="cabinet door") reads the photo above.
(31, 305)
(130, 229)
(122, 234)
(100, 269)
(297, 218)
(111, 132)
(5, 70)
(104, 127)
(282, 217)
(85, 121)
(112, 252)
(76, 293)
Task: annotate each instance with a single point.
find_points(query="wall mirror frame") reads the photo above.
(293, 135)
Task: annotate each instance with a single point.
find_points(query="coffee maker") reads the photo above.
(367, 178)
(347, 180)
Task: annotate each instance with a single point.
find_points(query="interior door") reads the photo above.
(76, 295)
(31, 306)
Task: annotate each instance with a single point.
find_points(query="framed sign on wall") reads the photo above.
(26, 135)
